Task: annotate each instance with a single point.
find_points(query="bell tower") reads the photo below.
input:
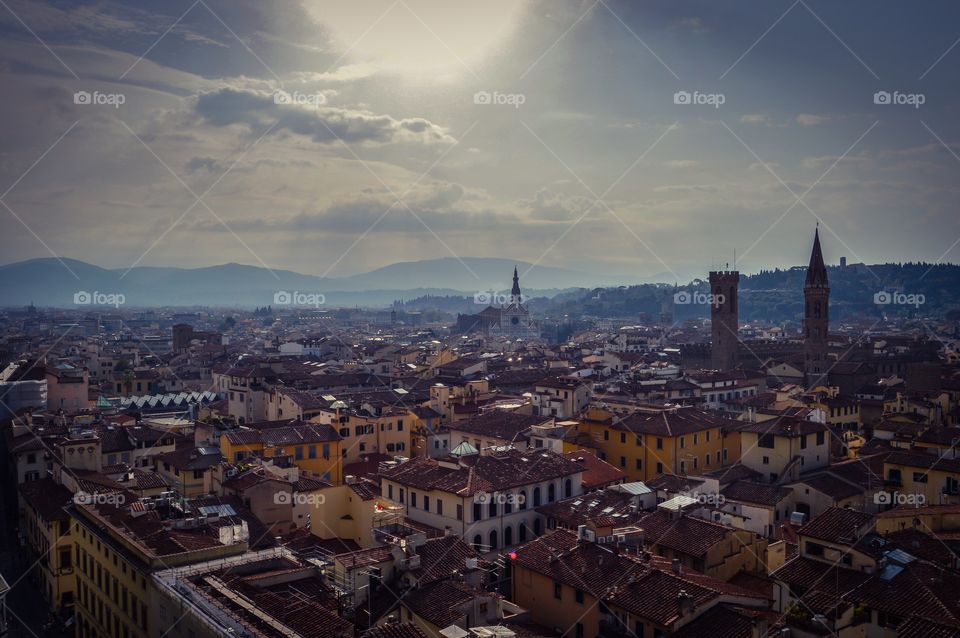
(816, 316)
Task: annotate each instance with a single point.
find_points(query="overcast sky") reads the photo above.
(334, 137)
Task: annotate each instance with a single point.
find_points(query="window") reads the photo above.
(803, 442)
(623, 437)
(551, 493)
(683, 443)
(639, 464)
(439, 507)
(766, 441)
(567, 488)
(606, 435)
(390, 492)
(659, 443)
(401, 495)
(312, 452)
(522, 499)
(413, 499)
(477, 542)
(557, 590)
(426, 503)
(459, 511)
(821, 437)
(400, 425)
(578, 596)
(766, 460)
(659, 468)
(920, 477)
(695, 439)
(623, 461)
(536, 497)
(477, 512)
(639, 440)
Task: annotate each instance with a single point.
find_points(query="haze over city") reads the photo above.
(500, 319)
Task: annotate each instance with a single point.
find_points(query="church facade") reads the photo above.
(509, 321)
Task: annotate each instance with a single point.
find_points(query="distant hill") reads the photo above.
(46, 282)
(922, 290)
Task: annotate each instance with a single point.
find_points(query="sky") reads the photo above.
(640, 139)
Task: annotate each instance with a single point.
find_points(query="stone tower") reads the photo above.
(724, 318)
(816, 316)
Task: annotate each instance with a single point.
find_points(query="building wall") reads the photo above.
(658, 455)
(536, 593)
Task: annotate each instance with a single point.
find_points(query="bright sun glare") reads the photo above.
(442, 38)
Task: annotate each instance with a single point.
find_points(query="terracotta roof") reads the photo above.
(488, 473)
(758, 493)
(671, 422)
(396, 630)
(499, 424)
(838, 525)
(596, 473)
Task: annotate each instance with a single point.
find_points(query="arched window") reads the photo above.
(477, 541)
(523, 532)
(537, 527)
(493, 540)
(551, 493)
(567, 489)
(522, 499)
(536, 497)
(493, 505)
(508, 536)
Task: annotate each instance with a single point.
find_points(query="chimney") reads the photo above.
(677, 568)
(759, 628)
(685, 602)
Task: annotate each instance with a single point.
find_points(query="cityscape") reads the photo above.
(513, 319)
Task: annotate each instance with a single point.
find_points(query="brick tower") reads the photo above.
(724, 318)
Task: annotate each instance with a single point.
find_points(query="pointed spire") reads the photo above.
(816, 271)
(515, 293)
